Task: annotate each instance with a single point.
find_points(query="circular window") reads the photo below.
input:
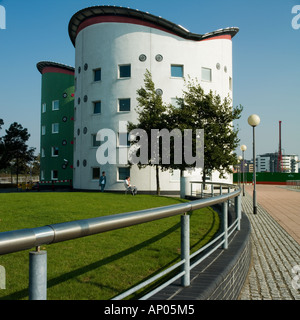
(85, 98)
(64, 119)
(84, 163)
(64, 142)
(78, 131)
(218, 66)
(85, 130)
(159, 92)
(159, 57)
(64, 166)
(85, 66)
(142, 57)
(65, 95)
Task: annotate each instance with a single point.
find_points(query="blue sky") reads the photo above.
(266, 58)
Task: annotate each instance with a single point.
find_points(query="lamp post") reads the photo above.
(254, 121)
(239, 170)
(243, 148)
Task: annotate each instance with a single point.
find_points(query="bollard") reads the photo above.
(225, 224)
(38, 275)
(185, 249)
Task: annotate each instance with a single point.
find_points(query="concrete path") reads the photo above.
(275, 270)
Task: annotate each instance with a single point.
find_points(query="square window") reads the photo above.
(123, 139)
(55, 105)
(55, 127)
(206, 74)
(97, 74)
(95, 173)
(95, 143)
(54, 174)
(125, 71)
(123, 173)
(54, 152)
(43, 130)
(43, 107)
(177, 71)
(124, 104)
(97, 107)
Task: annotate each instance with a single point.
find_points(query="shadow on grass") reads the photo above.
(75, 273)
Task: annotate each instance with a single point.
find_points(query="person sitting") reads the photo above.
(129, 187)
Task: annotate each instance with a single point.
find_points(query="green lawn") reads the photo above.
(99, 266)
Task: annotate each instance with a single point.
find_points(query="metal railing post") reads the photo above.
(38, 275)
(185, 249)
(238, 211)
(225, 224)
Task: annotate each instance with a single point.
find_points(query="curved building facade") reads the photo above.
(114, 47)
(57, 122)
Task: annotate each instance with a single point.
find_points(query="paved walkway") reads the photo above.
(275, 244)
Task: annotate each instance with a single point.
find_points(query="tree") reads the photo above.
(15, 152)
(151, 115)
(209, 112)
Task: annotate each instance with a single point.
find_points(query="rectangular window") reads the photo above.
(206, 74)
(95, 143)
(175, 103)
(230, 83)
(55, 105)
(42, 175)
(124, 104)
(125, 71)
(95, 173)
(43, 130)
(43, 153)
(97, 107)
(123, 139)
(54, 174)
(97, 74)
(43, 107)
(54, 152)
(177, 71)
(123, 173)
(55, 127)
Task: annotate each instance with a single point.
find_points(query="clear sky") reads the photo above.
(266, 58)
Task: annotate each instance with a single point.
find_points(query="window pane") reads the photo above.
(125, 71)
(54, 174)
(43, 107)
(124, 105)
(55, 105)
(55, 127)
(123, 173)
(96, 143)
(43, 130)
(176, 71)
(97, 107)
(97, 75)
(96, 173)
(123, 139)
(206, 74)
(54, 151)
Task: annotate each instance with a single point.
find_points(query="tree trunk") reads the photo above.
(157, 181)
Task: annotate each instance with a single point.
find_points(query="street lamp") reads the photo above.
(239, 170)
(243, 148)
(254, 121)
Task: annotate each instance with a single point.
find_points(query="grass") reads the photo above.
(101, 266)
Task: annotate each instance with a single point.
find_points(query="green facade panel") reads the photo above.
(57, 124)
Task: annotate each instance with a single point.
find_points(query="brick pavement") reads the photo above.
(275, 251)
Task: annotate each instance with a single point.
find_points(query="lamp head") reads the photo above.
(254, 120)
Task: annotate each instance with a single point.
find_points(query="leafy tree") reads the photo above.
(15, 152)
(209, 112)
(151, 115)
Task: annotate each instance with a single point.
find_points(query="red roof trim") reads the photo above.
(57, 70)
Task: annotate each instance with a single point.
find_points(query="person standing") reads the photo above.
(102, 181)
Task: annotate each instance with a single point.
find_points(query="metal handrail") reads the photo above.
(24, 239)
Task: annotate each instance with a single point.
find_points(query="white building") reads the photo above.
(290, 163)
(263, 164)
(114, 47)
